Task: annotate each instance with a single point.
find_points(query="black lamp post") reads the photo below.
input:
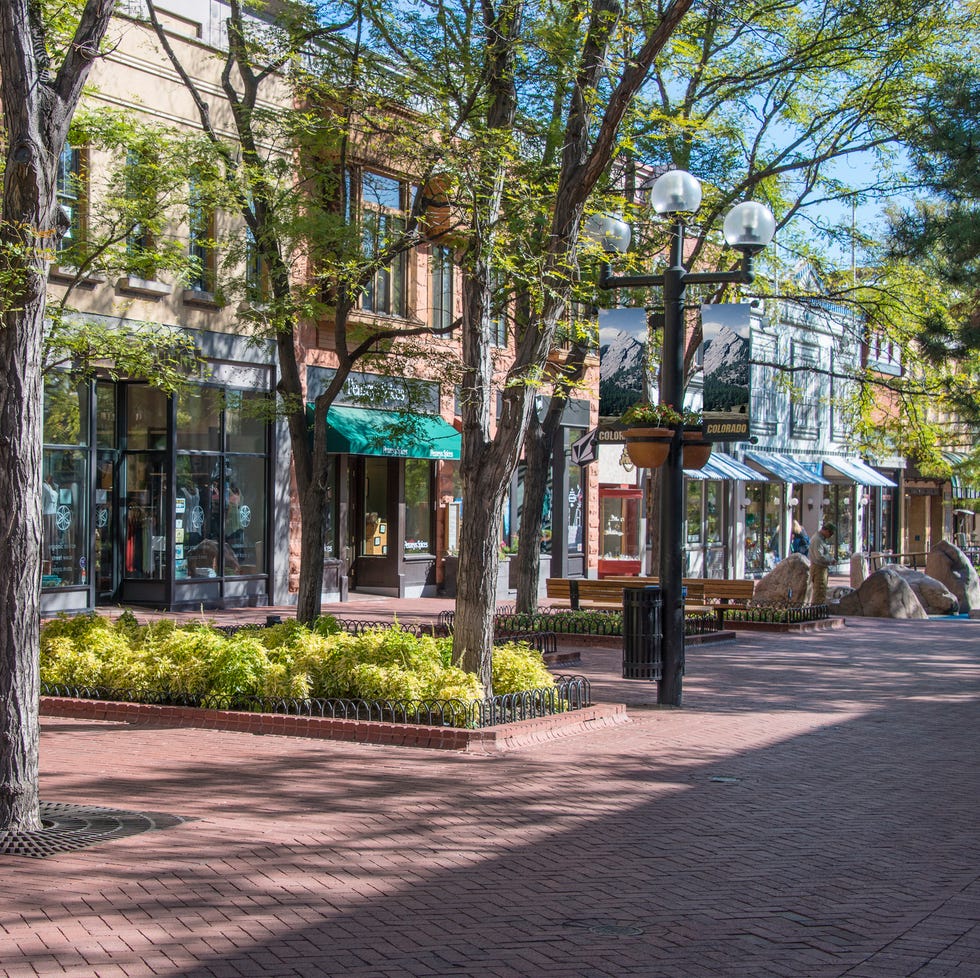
(749, 227)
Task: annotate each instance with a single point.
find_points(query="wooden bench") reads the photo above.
(704, 594)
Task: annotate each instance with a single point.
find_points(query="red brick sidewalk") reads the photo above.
(810, 812)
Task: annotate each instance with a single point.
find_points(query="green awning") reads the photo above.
(393, 434)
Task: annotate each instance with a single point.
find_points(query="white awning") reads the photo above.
(857, 471)
(722, 466)
(786, 468)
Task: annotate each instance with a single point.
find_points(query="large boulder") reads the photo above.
(848, 603)
(885, 594)
(948, 564)
(933, 595)
(785, 585)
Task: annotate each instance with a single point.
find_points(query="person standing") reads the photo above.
(799, 543)
(821, 557)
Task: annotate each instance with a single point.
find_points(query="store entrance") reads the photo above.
(106, 519)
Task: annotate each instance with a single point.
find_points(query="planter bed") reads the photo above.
(488, 740)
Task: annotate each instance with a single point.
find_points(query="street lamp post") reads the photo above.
(748, 228)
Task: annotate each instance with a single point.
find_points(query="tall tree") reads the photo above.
(941, 234)
(485, 74)
(43, 68)
(285, 172)
(799, 105)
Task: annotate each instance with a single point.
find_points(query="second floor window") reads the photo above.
(70, 195)
(201, 244)
(383, 201)
(139, 241)
(441, 289)
(256, 273)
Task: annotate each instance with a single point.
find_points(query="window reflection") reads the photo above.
(146, 516)
(64, 522)
(418, 507)
(375, 538)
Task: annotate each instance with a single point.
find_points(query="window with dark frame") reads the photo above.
(441, 289)
(70, 192)
(201, 244)
(383, 206)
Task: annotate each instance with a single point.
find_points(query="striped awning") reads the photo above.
(856, 471)
(786, 468)
(963, 487)
(722, 466)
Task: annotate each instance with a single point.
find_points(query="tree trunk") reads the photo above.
(539, 448)
(20, 550)
(537, 458)
(37, 109)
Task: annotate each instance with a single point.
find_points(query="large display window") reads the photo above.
(374, 539)
(762, 526)
(619, 531)
(221, 502)
(65, 493)
(141, 493)
(419, 540)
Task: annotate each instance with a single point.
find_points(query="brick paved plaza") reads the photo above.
(810, 812)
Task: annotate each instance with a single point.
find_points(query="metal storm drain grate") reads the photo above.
(67, 828)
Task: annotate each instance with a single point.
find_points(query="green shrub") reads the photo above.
(286, 660)
(518, 666)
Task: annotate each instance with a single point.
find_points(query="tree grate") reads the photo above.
(67, 828)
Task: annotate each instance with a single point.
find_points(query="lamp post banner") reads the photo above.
(726, 349)
(623, 338)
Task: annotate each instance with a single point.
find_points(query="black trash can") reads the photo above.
(642, 634)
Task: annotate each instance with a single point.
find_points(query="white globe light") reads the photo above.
(609, 232)
(675, 192)
(749, 227)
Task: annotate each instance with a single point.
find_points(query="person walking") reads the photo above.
(821, 557)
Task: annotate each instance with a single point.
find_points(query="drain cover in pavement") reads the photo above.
(67, 828)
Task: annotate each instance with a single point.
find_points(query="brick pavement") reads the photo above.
(810, 812)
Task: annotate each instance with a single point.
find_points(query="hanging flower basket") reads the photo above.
(648, 447)
(695, 449)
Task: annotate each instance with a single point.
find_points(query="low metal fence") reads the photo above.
(568, 693)
(781, 616)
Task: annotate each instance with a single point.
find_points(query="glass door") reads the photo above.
(106, 521)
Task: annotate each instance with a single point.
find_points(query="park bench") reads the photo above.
(704, 594)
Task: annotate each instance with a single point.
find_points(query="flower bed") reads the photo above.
(289, 668)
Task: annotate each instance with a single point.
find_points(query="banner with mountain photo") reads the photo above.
(623, 341)
(725, 349)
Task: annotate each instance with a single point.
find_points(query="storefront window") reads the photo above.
(840, 512)
(65, 410)
(244, 519)
(199, 420)
(105, 415)
(64, 530)
(375, 538)
(762, 525)
(197, 516)
(418, 507)
(712, 512)
(146, 516)
(694, 497)
(146, 418)
(330, 550)
(576, 510)
(620, 527)
(246, 421)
